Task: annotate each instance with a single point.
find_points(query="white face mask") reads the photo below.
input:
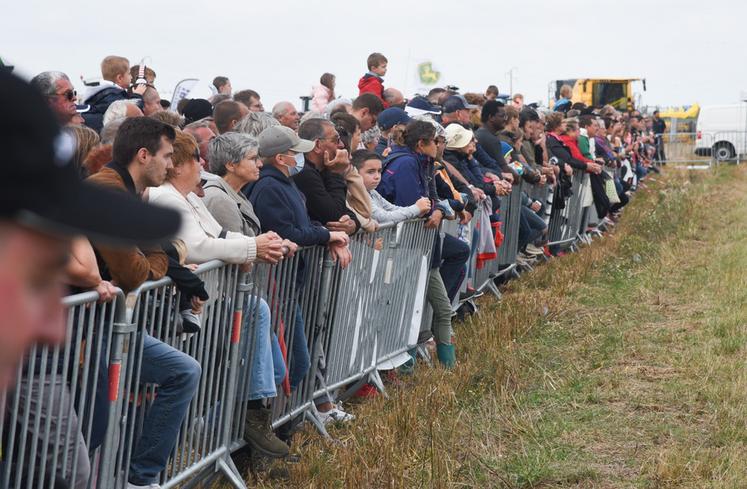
(295, 170)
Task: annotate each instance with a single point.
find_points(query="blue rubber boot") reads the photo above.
(446, 355)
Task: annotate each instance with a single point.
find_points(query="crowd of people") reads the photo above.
(253, 186)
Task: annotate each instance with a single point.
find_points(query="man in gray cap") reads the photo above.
(280, 207)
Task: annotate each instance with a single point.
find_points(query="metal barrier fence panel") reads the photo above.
(687, 148)
(374, 301)
(511, 216)
(56, 413)
(154, 308)
(565, 223)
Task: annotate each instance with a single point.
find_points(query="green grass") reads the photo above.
(620, 366)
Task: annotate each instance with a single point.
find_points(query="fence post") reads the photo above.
(121, 329)
(225, 464)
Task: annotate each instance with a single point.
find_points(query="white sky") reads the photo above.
(688, 50)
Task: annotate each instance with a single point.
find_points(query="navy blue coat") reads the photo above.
(281, 207)
(100, 101)
(408, 176)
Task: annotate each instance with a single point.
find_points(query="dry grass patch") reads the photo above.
(619, 366)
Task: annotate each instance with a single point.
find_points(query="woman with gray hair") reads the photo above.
(235, 160)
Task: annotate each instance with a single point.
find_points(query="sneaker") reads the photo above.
(335, 415)
(190, 321)
(258, 433)
(534, 250)
(130, 485)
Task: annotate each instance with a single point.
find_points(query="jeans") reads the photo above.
(268, 366)
(531, 227)
(177, 375)
(300, 362)
(46, 406)
(454, 256)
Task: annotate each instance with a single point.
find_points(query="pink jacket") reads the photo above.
(320, 96)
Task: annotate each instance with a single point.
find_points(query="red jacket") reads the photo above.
(370, 83)
(572, 144)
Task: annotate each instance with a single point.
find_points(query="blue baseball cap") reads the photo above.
(456, 102)
(391, 117)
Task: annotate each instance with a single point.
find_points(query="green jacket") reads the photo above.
(584, 146)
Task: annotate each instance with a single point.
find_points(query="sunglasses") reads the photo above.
(69, 95)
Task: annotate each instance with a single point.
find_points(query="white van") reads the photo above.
(721, 131)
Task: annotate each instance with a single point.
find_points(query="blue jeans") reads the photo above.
(268, 366)
(177, 375)
(531, 227)
(299, 363)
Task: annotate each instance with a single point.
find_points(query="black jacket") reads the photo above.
(560, 151)
(326, 194)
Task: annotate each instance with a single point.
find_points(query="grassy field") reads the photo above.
(620, 366)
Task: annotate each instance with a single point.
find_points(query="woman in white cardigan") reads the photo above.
(206, 240)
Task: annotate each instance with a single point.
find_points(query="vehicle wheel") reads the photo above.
(723, 151)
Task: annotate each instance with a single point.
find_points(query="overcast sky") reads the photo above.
(689, 51)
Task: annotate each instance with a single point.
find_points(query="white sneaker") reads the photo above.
(130, 485)
(335, 415)
(533, 250)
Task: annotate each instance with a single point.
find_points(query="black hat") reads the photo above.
(196, 109)
(41, 189)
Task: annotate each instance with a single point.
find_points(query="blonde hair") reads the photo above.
(85, 140)
(566, 91)
(112, 66)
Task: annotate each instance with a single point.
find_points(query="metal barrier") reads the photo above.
(376, 298)
(154, 309)
(728, 146)
(684, 148)
(53, 416)
(565, 221)
(354, 321)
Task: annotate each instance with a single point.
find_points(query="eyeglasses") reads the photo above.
(335, 139)
(68, 94)
(196, 155)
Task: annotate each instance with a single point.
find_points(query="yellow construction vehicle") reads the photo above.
(597, 92)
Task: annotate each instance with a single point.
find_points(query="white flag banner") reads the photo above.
(182, 89)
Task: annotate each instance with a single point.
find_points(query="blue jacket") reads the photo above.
(407, 176)
(100, 100)
(281, 207)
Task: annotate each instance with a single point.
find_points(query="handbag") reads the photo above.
(611, 191)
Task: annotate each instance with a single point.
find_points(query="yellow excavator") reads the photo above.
(597, 92)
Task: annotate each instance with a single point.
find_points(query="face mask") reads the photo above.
(295, 170)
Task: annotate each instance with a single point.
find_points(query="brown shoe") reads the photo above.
(258, 433)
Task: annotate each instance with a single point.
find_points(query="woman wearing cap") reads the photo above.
(234, 240)
(408, 176)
